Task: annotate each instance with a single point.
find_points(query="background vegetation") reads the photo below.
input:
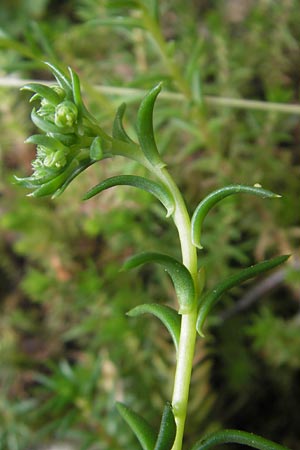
(67, 350)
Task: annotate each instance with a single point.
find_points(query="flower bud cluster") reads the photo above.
(71, 139)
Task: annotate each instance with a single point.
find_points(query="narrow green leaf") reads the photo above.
(47, 126)
(167, 315)
(76, 88)
(33, 183)
(139, 426)
(236, 437)
(167, 431)
(181, 277)
(61, 78)
(212, 297)
(118, 131)
(43, 91)
(66, 139)
(76, 171)
(208, 202)
(145, 129)
(28, 182)
(139, 182)
(45, 141)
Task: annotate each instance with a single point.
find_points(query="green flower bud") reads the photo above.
(56, 159)
(96, 149)
(65, 114)
(47, 111)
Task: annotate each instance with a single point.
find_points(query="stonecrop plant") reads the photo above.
(70, 141)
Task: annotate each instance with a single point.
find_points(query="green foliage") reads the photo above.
(69, 307)
(277, 339)
(181, 277)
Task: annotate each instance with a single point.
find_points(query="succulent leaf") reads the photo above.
(236, 437)
(167, 431)
(208, 202)
(167, 315)
(143, 431)
(212, 297)
(181, 277)
(139, 182)
(118, 131)
(44, 92)
(145, 129)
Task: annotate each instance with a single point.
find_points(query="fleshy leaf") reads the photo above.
(167, 431)
(139, 182)
(76, 89)
(43, 91)
(212, 297)
(181, 277)
(46, 141)
(118, 130)
(66, 139)
(208, 202)
(139, 426)
(236, 437)
(76, 171)
(33, 182)
(61, 78)
(167, 315)
(145, 128)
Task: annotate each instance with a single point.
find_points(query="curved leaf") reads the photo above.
(66, 139)
(76, 89)
(167, 431)
(208, 202)
(45, 141)
(47, 126)
(145, 127)
(118, 131)
(139, 182)
(139, 426)
(167, 315)
(211, 298)
(43, 91)
(236, 437)
(75, 172)
(181, 277)
(61, 78)
(33, 182)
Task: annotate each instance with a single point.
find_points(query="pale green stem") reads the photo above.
(188, 323)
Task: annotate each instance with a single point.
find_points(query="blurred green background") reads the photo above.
(67, 349)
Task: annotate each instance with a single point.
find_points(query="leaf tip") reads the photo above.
(199, 330)
(197, 244)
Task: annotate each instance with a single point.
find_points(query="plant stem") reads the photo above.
(188, 323)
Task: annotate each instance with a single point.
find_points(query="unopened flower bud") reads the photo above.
(55, 160)
(66, 114)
